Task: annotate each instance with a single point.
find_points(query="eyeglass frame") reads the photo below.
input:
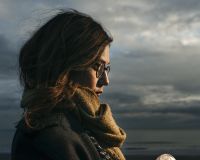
(96, 66)
(97, 69)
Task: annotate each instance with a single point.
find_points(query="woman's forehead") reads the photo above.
(105, 56)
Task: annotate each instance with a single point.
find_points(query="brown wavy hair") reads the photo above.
(69, 41)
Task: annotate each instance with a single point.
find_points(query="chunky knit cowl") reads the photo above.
(98, 119)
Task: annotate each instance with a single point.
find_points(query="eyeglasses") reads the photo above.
(101, 68)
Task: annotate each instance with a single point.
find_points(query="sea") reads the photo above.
(141, 141)
(160, 141)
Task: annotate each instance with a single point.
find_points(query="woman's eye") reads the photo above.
(97, 65)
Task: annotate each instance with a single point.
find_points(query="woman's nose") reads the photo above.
(104, 79)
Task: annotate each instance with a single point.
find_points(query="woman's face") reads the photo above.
(88, 77)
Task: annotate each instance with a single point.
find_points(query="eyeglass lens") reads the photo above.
(102, 68)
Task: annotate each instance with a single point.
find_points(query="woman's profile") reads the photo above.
(63, 69)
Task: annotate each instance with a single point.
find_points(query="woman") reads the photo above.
(63, 68)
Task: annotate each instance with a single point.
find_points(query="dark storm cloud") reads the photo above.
(8, 59)
(116, 98)
(173, 108)
(157, 10)
(180, 5)
(10, 93)
(155, 55)
(9, 118)
(155, 69)
(9, 103)
(188, 87)
(131, 112)
(133, 104)
(159, 121)
(159, 116)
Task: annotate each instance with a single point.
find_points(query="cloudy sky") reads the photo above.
(154, 81)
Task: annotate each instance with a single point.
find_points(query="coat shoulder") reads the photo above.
(60, 137)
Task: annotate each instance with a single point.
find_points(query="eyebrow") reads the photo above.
(103, 61)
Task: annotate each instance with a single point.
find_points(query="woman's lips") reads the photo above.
(99, 93)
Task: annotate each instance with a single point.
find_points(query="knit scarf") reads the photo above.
(98, 119)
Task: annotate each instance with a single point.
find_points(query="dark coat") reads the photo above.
(60, 138)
